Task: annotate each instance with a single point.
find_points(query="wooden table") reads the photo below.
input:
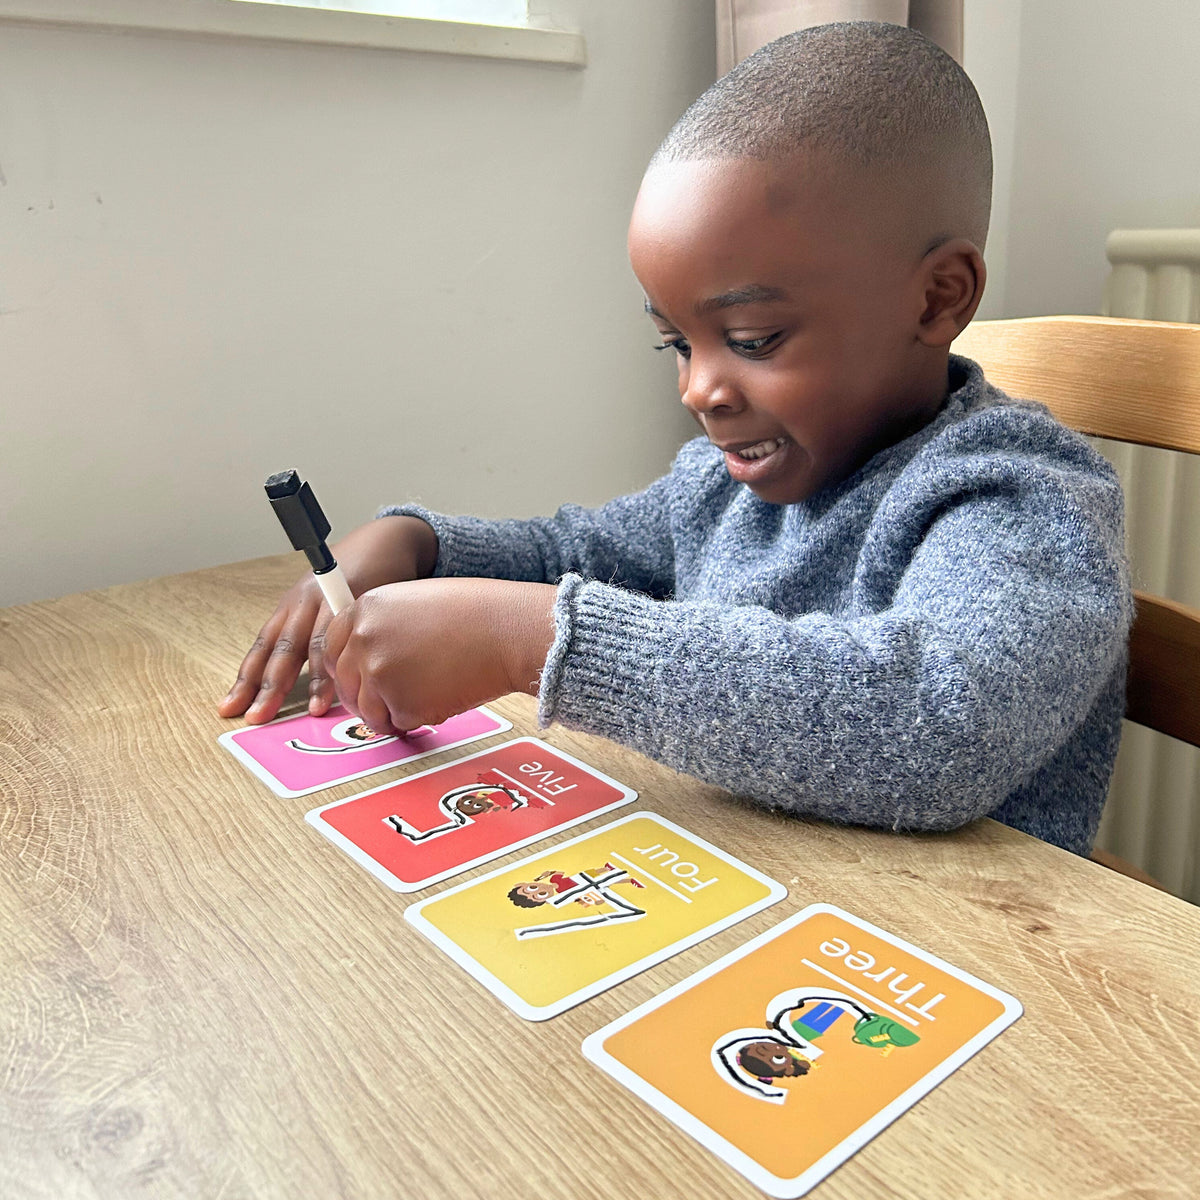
(202, 998)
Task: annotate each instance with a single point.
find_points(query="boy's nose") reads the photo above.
(704, 388)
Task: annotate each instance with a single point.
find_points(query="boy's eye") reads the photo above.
(747, 347)
(754, 347)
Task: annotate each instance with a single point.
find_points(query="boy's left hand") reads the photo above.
(417, 653)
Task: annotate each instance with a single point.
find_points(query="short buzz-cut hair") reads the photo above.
(867, 93)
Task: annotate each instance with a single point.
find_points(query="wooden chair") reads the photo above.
(1131, 381)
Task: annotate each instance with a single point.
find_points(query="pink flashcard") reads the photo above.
(303, 754)
(415, 831)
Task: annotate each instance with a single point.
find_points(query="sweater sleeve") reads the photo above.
(626, 542)
(996, 615)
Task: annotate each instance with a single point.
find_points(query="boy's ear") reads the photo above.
(953, 275)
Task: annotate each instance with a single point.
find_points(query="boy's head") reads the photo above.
(532, 894)
(479, 801)
(809, 237)
(772, 1060)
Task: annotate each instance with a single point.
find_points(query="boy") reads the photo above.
(877, 590)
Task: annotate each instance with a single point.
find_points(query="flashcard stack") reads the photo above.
(783, 1058)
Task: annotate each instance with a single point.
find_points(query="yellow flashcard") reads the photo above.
(787, 1055)
(568, 923)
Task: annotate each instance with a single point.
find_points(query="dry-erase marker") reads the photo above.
(306, 526)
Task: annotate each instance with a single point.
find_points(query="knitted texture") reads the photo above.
(939, 637)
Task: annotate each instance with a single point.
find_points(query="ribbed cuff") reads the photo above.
(600, 674)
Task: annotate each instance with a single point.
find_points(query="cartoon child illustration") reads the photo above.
(591, 888)
(772, 1060)
(550, 884)
(480, 801)
(352, 733)
(461, 806)
(795, 1022)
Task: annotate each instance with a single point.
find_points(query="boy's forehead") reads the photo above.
(703, 195)
(807, 205)
(703, 189)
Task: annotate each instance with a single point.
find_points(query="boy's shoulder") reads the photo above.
(980, 419)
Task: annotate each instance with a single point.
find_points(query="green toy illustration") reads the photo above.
(752, 1059)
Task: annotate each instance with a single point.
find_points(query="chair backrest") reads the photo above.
(1131, 381)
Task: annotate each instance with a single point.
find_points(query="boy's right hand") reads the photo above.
(388, 550)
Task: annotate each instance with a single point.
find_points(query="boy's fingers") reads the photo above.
(343, 676)
(371, 707)
(321, 692)
(281, 670)
(346, 686)
(250, 673)
(333, 642)
(322, 696)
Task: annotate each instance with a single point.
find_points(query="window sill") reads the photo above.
(322, 26)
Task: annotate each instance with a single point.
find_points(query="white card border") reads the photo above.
(256, 768)
(789, 1189)
(360, 856)
(415, 915)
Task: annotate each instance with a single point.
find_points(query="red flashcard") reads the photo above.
(429, 826)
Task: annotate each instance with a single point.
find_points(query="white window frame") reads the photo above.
(479, 12)
(287, 23)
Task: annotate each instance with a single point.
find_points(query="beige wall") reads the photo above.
(403, 274)
(991, 56)
(1095, 130)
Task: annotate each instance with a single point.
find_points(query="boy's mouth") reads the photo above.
(757, 462)
(759, 449)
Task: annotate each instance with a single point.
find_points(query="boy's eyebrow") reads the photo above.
(752, 293)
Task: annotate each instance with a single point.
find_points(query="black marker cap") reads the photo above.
(301, 518)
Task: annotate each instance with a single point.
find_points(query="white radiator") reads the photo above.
(1153, 813)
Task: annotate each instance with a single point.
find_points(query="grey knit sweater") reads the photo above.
(939, 637)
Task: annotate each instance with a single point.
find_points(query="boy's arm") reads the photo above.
(626, 542)
(1002, 633)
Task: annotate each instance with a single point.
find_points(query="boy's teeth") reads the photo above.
(761, 449)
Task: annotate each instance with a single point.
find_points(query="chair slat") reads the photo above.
(1164, 672)
(1133, 381)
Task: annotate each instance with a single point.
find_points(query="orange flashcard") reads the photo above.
(787, 1055)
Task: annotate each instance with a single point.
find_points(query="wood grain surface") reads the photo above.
(1113, 377)
(200, 997)
(1164, 666)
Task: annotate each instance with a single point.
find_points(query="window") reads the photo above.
(474, 28)
(486, 12)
